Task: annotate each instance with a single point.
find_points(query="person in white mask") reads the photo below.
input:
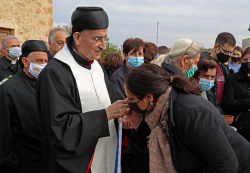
(9, 62)
(33, 62)
(21, 141)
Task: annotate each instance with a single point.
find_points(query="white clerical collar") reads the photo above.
(13, 62)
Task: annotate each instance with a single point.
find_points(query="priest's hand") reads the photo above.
(118, 109)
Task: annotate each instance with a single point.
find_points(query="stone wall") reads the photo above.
(246, 43)
(27, 19)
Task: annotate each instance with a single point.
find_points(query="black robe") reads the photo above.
(20, 133)
(69, 136)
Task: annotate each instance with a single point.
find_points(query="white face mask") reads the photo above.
(35, 69)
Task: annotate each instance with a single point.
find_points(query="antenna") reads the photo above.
(157, 34)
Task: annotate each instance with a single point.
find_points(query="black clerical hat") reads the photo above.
(92, 18)
(32, 46)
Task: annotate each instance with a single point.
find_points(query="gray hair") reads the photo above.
(4, 41)
(184, 47)
(53, 31)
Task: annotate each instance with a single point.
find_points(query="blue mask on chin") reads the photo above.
(206, 84)
(135, 61)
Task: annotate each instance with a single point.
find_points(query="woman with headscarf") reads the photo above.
(188, 134)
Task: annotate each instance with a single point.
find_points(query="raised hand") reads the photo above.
(117, 109)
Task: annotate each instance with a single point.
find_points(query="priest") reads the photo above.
(76, 102)
(20, 132)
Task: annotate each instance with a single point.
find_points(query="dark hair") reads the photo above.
(150, 51)
(112, 61)
(247, 51)
(225, 38)
(203, 66)
(151, 78)
(163, 50)
(132, 43)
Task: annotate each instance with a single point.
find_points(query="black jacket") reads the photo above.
(197, 133)
(200, 139)
(6, 68)
(236, 101)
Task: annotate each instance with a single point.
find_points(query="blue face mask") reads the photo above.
(15, 52)
(135, 61)
(190, 72)
(157, 56)
(206, 84)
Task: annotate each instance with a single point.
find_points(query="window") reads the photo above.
(4, 32)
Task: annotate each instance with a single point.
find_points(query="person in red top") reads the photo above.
(223, 49)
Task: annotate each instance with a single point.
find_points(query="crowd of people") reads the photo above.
(62, 106)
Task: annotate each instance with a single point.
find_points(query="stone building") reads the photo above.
(26, 19)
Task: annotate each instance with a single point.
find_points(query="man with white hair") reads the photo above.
(8, 63)
(57, 39)
(77, 103)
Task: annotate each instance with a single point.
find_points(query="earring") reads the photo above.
(151, 103)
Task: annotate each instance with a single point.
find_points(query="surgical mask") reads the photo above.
(206, 84)
(134, 106)
(35, 69)
(15, 52)
(235, 59)
(246, 67)
(190, 72)
(135, 61)
(223, 57)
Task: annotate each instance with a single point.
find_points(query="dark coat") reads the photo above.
(236, 101)
(197, 133)
(6, 69)
(200, 139)
(117, 80)
(20, 132)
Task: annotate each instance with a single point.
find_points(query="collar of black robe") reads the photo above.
(27, 77)
(79, 59)
(6, 63)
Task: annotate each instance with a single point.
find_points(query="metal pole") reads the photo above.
(157, 34)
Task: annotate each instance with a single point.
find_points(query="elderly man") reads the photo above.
(20, 132)
(8, 63)
(76, 110)
(57, 39)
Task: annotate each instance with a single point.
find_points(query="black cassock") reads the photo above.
(69, 136)
(20, 132)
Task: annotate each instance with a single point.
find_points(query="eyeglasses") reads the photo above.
(100, 39)
(226, 51)
(97, 39)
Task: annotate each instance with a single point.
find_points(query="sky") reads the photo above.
(199, 20)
